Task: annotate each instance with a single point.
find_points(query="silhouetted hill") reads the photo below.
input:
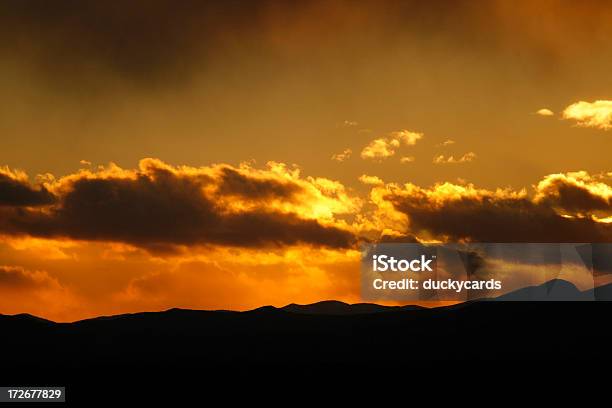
(334, 307)
(558, 290)
(603, 292)
(321, 334)
(554, 290)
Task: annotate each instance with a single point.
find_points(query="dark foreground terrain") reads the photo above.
(328, 333)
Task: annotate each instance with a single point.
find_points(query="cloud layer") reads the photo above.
(564, 208)
(159, 206)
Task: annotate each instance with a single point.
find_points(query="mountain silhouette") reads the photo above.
(317, 335)
(334, 307)
(553, 290)
(603, 292)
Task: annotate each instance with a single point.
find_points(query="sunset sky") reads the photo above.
(234, 154)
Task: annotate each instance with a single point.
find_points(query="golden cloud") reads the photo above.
(384, 147)
(445, 143)
(371, 180)
(545, 112)
(596, 114)
(466, 158)
(344, 155)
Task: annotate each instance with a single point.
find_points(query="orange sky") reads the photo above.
(231, 155)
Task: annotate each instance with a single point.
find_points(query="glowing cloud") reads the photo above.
(560, 211)
(349, 123)
(445, 143)
(371, 180)
(344, 155)
(466, 158)
(596, 114)
(545, 112)
(382, 148)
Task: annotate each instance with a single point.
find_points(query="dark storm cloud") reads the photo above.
(497, 219)
(238, 184)
(16, 278)
(398, 239)
(16, 192)
(142, 39)
(159, 208)
(157, 40)
(575, 196)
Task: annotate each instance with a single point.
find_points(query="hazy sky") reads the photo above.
(479, 94)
